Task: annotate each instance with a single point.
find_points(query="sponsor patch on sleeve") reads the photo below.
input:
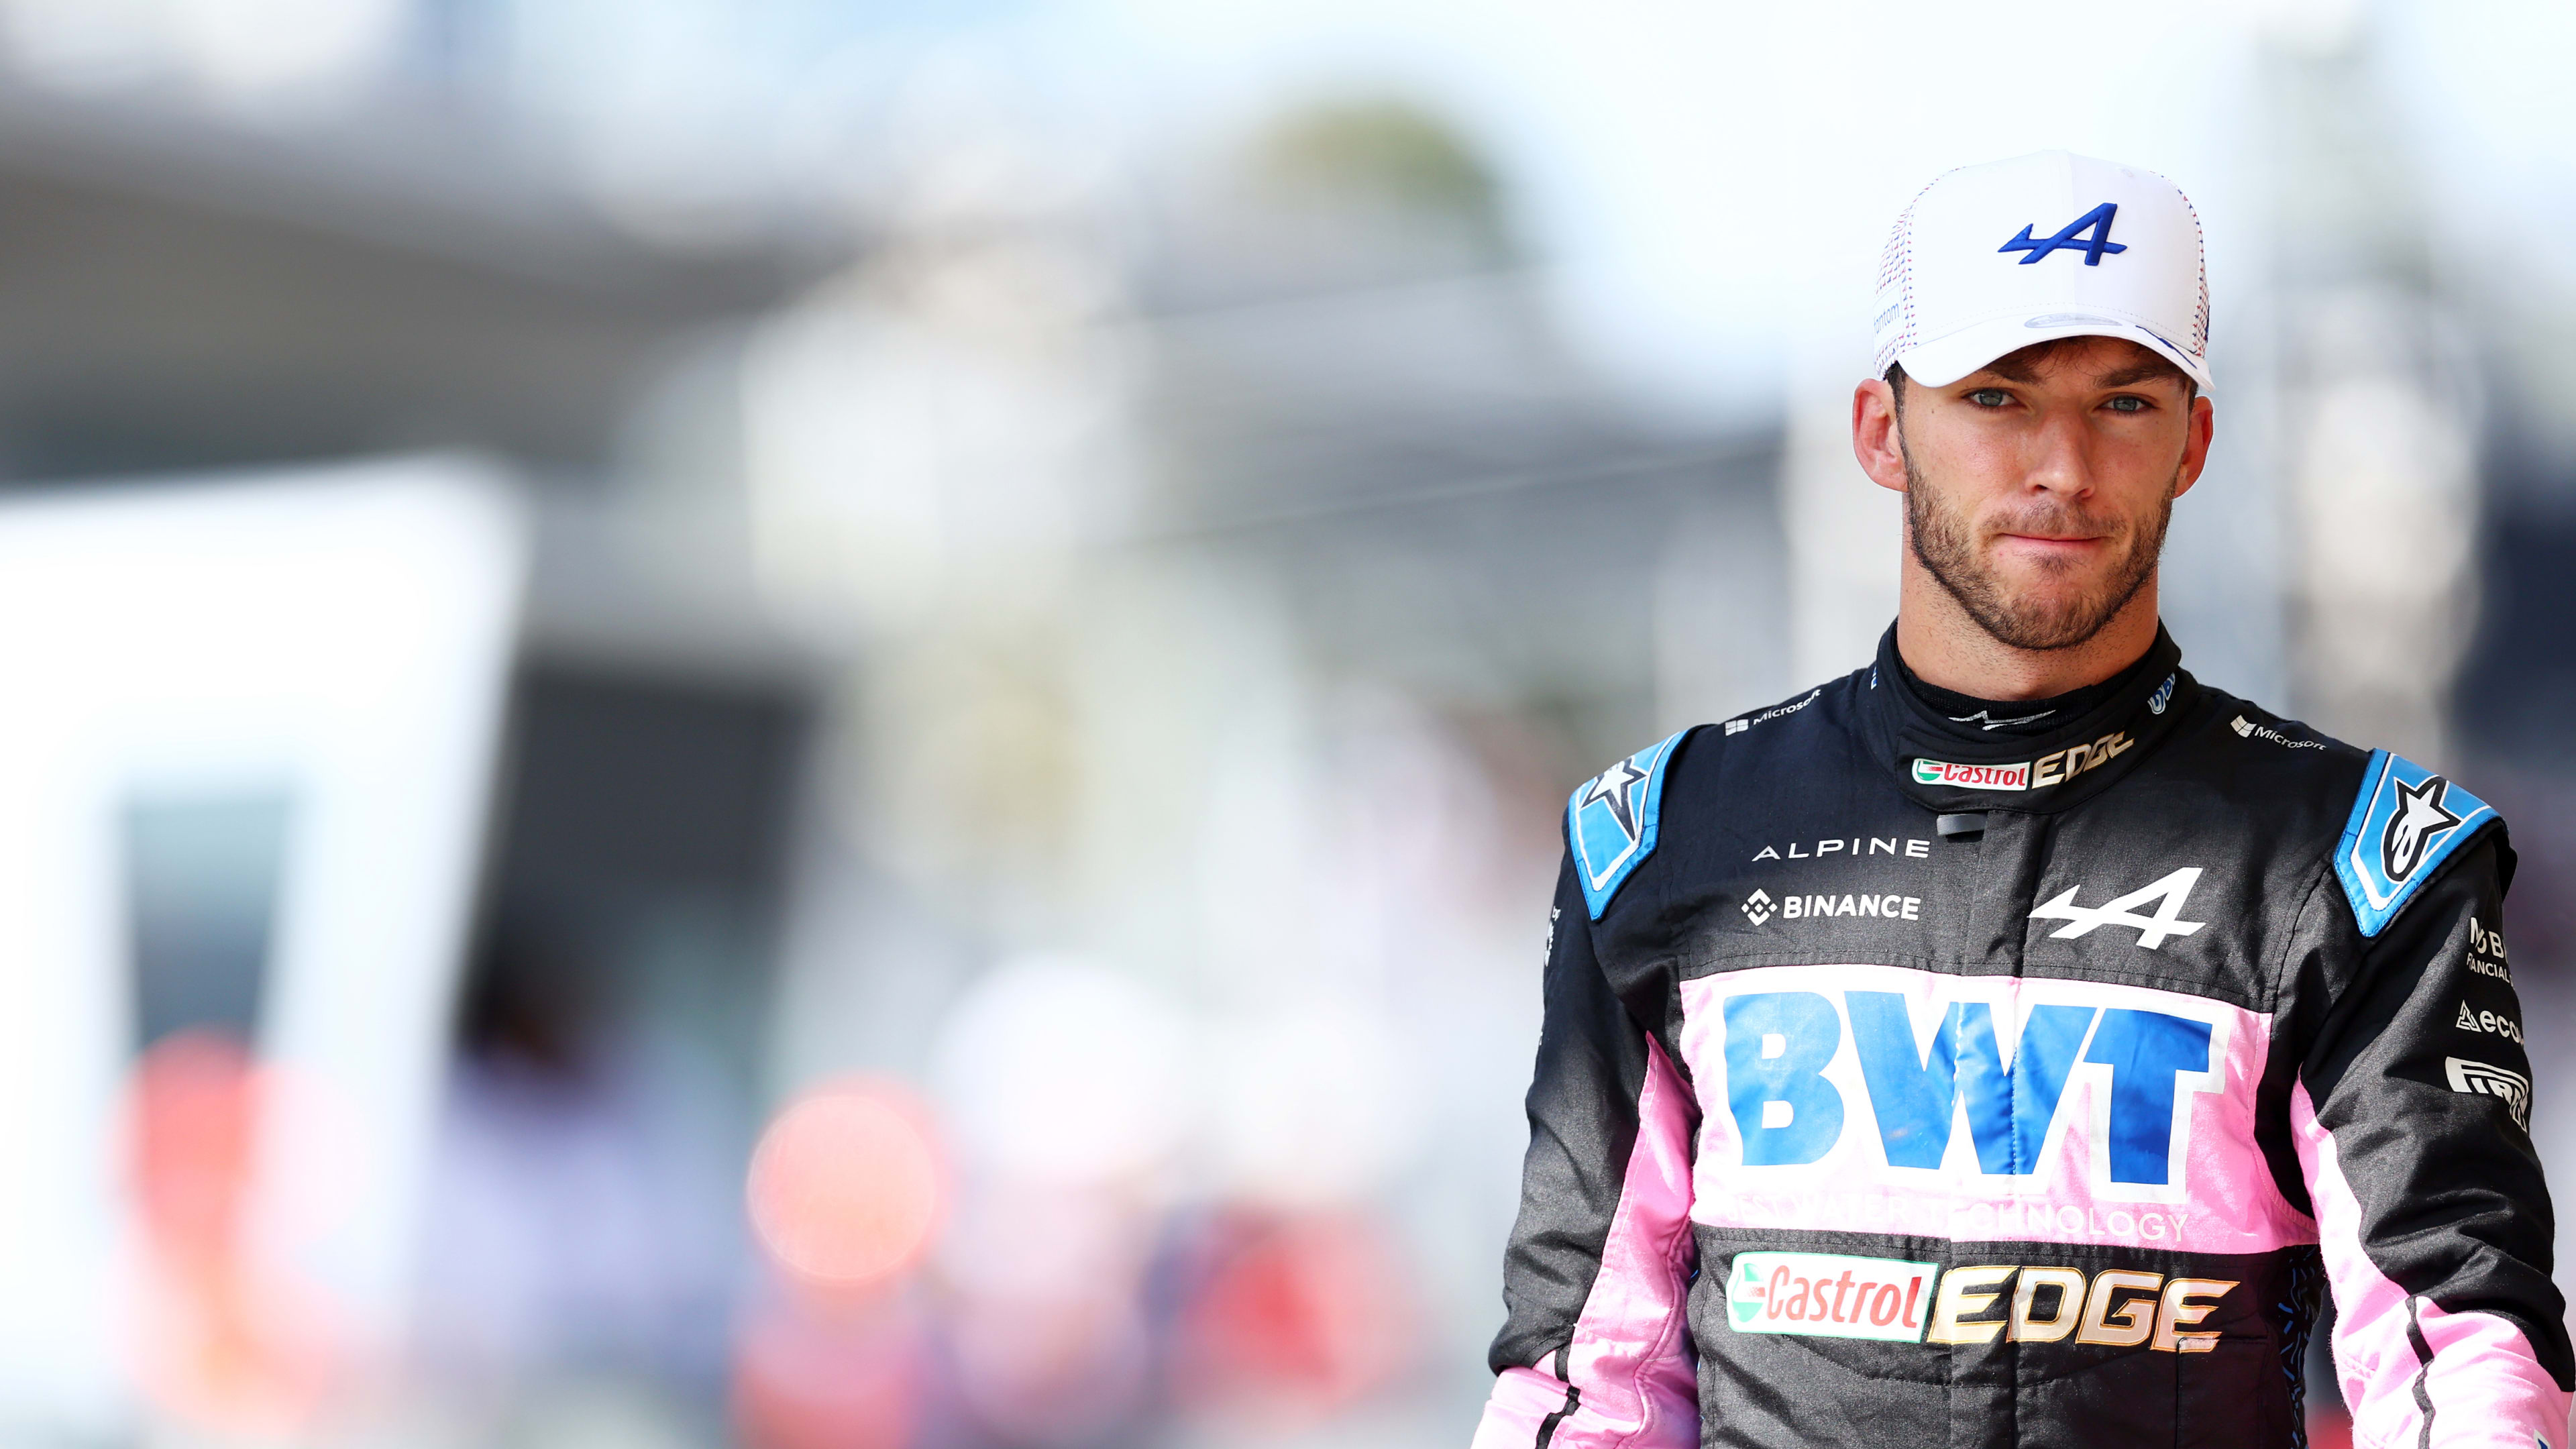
(1611, 821)
(2404, 823)
(2483, 1079)
(1830, 1295)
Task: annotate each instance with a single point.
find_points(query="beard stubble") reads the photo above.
(1946, 542)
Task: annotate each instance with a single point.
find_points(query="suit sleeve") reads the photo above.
(1595, 1349)
(2411, 1119)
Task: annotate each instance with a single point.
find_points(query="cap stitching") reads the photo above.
(1896, 263)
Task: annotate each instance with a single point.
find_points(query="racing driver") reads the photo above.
(2008, 1042)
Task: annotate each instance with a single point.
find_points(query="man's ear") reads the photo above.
(2195, 447)
(1875, 439)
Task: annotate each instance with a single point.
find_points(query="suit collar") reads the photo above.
(1952, 764)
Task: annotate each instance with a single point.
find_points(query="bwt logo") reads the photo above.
(1785, 1050)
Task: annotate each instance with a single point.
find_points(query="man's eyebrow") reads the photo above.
(2138, 372)
(2147, 370)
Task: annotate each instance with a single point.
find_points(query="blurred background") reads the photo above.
(839, 722)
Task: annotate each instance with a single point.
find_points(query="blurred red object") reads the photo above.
(1295, 1318)
(846, 1188)
(808, 1375)
(2329, 1429)
(229, 1340)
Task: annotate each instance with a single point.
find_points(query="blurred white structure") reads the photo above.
(342, 637)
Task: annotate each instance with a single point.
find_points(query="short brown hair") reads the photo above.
(2019, 363)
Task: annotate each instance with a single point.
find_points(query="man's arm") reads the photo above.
(2411, 1118)
(1595, 1351)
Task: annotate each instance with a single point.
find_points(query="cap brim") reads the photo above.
(1944, 360)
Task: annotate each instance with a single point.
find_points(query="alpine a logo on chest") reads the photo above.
(2169, 892)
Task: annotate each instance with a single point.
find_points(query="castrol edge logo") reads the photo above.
(2054, 768)
(1832, 1295)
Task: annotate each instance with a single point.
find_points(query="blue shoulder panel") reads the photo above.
(1610, 822)
(2406, 820)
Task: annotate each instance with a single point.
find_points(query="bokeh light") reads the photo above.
(846, 1186)
(1061, 1069)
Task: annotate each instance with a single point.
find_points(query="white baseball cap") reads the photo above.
(1990, 259)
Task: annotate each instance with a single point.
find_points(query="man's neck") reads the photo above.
(1945, 647)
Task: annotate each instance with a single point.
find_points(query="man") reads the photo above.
(2004, 1043)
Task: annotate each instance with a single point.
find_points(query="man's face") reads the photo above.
(2038, 488)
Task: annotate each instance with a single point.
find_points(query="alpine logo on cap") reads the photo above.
(2095, 247)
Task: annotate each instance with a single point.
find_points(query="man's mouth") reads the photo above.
(2053, 541)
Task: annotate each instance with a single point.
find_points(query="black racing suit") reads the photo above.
(1909, 1082)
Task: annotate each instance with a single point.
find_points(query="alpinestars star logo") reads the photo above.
(1757, 907)
(1610, 788)
(2420, 820)
(2171, 892)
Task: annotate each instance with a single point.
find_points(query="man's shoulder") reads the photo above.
(1791, 720)
(2251, 743)
(2387, 823)
(1616, 820)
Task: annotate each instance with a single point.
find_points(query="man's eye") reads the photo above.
(2128, 404)
(1989, 397)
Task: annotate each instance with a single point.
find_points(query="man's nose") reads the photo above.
(2060, 457)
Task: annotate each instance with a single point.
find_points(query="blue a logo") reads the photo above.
(2094, 247)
